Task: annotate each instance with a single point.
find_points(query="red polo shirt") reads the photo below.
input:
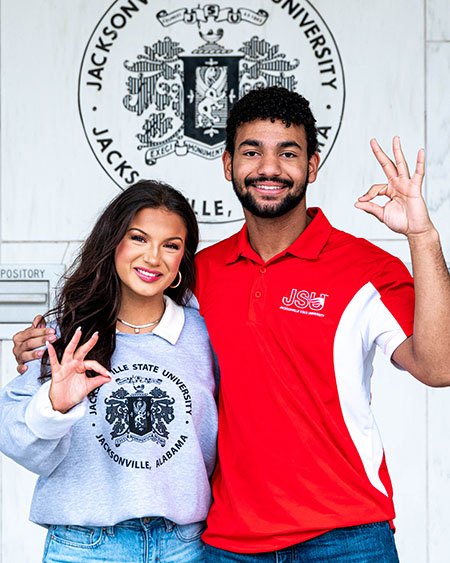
(299, 449)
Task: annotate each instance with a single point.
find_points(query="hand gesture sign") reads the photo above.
(405, 212)
(70, 384)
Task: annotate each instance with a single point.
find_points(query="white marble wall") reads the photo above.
(438, 195)
(396, 58)
(22, 541)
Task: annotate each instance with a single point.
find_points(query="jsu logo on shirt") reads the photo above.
(304, 300)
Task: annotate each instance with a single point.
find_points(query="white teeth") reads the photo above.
(145, 273)
(269, 188)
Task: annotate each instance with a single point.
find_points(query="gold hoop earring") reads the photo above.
(178, 283)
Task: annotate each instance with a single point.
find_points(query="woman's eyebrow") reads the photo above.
(136, 229)
(146, 234)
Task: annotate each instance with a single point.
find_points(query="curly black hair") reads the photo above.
(272, 103)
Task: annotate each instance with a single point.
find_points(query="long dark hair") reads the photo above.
(90, 296)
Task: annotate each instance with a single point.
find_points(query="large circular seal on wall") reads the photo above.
(157, 81)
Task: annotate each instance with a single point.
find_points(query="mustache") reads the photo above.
(259, 179)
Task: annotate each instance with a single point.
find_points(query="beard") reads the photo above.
(277, 208)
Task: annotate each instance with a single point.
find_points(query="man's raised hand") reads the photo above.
(405, 212)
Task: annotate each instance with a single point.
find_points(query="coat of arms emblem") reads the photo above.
(139, 416)
(186, 97)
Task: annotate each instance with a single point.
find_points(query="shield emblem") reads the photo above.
(139, 412)
(211, 85)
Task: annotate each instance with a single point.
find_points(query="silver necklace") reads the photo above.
(137, 328)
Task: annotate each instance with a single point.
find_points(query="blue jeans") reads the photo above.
(369, 543)
(141, 540)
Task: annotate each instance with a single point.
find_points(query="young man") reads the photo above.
(294, 309)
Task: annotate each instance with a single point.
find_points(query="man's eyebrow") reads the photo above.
(250, 142)
(287, 144)
(283, 145)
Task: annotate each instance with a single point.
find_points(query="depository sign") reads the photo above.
(157, 81)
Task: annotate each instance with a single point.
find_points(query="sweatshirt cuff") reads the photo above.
(47, 423)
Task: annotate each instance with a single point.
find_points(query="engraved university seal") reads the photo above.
(157, 81)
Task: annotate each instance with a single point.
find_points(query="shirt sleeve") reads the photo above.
(392, 316)
(31, 433)
(47, 423)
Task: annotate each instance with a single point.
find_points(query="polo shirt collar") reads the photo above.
(172, 322)
(314, 238)
(308, 245)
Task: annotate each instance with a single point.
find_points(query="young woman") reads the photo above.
(119, 418)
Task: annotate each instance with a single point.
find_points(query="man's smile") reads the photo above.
(268, 190)
(268, 186)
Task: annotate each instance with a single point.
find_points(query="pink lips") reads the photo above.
(148, 276)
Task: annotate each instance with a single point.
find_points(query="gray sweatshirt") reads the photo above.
(143, 445)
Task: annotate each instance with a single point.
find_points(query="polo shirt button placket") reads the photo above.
(257, 295)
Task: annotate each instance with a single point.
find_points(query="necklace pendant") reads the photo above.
(137, 328)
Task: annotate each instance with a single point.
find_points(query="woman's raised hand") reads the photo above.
(70, 384)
